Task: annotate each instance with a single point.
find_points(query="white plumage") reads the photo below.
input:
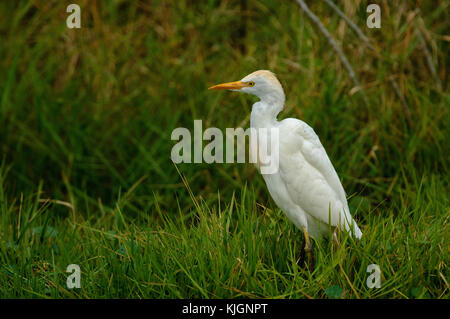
(306, 186)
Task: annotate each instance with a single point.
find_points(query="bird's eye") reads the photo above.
(251, 83)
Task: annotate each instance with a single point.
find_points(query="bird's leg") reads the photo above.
(308, 249)
(334, 241)
(301, 258)
(335, 237)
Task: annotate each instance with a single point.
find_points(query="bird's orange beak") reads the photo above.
(229, 86)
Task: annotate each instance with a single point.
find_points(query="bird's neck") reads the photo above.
(264, 113)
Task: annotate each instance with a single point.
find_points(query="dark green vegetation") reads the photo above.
(86, 176)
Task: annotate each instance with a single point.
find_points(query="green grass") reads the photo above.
(85, 170)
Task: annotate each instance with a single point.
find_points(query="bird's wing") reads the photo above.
(319, 181)
(314, 152)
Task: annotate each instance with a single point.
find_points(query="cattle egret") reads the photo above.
(306, 186)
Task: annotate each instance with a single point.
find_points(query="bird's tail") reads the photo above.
(356, 231)
(351, 226)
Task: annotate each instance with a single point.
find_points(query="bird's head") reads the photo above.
(264, 84)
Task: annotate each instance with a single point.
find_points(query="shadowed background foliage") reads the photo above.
(86, 114)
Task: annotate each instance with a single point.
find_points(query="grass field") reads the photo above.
(86, 176)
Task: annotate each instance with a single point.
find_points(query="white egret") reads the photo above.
(306, 186)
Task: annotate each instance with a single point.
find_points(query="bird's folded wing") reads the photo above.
(315, 154)
(315, 189)
(310, 178)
